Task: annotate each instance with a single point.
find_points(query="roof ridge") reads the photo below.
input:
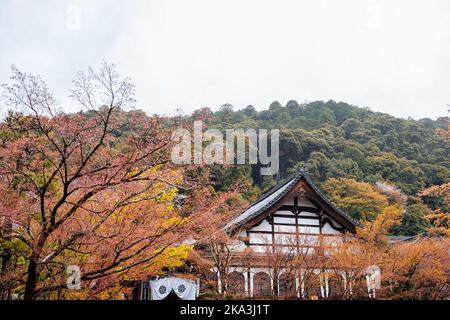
(278, 186)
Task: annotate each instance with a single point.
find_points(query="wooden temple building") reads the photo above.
(277, 242)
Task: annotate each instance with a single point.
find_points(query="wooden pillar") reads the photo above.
(327, 286)
(321, 282)
(302, 284)
(296, 213)
(272, 221)
(219, 283)
(246, 284)
(251, 280)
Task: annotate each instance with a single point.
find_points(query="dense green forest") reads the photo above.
(338, 140)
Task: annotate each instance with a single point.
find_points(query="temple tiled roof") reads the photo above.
(276, 193)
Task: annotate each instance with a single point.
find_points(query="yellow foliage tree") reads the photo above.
(360, 200)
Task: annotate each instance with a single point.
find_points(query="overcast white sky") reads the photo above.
(390, 55)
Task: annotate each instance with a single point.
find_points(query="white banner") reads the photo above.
(185, 289)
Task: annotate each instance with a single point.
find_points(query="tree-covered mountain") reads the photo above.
(338, 140)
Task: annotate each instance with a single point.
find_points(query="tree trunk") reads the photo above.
(5, 291)
(30, 285)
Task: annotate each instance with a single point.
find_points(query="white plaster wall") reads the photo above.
(313, 222)
(285, 212)
(260, 238)
(285, 228)
(309, 230)
(285, 220)
(263, 226)
(327, 229)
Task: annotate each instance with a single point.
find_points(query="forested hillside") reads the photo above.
(337, 140)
